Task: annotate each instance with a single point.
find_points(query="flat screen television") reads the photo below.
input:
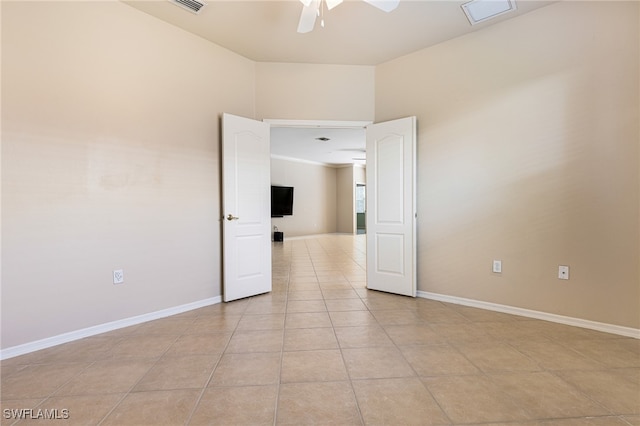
(281, 201)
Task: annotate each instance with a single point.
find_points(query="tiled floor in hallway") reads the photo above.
(322, 349)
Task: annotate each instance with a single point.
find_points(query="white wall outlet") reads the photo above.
(118, 276)
(497, 266)
(563, 272)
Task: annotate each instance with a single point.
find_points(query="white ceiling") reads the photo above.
(345, 146)
(355, 33)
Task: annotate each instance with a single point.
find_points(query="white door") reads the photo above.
(391, 209)
(246, 207)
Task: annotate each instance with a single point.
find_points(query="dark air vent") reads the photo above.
(191, 5)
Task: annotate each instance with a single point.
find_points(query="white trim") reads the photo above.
(300, 160)
(577, 322)
(315, 163)
(324, 124)
(103, 328)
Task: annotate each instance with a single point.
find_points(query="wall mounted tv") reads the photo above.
(281, 201)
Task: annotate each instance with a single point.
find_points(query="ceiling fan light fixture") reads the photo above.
(478, 11)
(313, 9)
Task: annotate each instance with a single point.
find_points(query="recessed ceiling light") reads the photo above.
(481, 10)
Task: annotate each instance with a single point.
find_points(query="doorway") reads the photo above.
(390, 179)
(323, 161)
(390, 212)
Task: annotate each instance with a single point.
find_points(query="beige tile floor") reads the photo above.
(322, 349)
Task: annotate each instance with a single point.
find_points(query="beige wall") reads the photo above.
(314, 92)
(314, 197)
(528, 153)
(346, 200)
(110, 160)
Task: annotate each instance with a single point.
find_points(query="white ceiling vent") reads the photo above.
(194, 6)
(481, 10)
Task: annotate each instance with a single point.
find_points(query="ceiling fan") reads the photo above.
(315, 8)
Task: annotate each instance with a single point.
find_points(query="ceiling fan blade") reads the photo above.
(332, 3)
(308, 17)
(384, 5)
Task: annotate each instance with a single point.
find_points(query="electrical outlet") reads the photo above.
(563, 272)
(497, 266)
(118, 276)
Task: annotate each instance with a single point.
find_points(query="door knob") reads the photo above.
(232, 217)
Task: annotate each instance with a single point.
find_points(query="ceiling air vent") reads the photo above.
(481, 10)
(191, 5)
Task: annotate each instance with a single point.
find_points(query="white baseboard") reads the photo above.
(103, 328)
(577, 322)
(115, 325)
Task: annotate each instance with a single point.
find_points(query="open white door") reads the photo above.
(391, 210)
(246, 204)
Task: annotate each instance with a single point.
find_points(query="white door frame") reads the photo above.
(327, 124)
(323, 124)
(350, 125)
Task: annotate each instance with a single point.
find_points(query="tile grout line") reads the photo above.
(127, 393)
(284, 326)
(213, 370)
(340, 347)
